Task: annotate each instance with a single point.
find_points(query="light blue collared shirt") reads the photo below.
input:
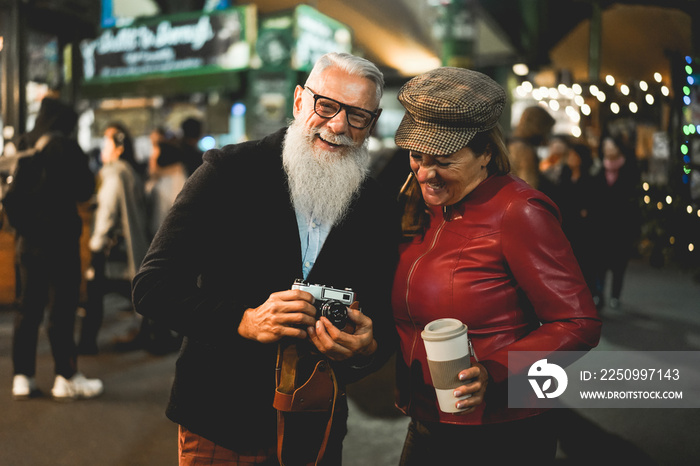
(312, 234)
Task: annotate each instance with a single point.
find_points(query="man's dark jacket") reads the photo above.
(230, 240)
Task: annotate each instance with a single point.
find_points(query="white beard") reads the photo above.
(322, 184)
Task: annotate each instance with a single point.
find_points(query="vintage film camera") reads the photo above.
(329, 302)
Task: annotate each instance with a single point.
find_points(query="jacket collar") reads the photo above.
(456, 211)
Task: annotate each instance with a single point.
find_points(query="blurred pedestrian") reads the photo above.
(119, 234)
(42, 207)
(191, 153)
(529, 137)
(254, 218)
(578, 200)
(619, 221)
(558, 149)
(166, 177)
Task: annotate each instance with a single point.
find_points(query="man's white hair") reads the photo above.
(351, 64)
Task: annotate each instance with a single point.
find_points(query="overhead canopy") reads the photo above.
(636, 37)
(637, 41)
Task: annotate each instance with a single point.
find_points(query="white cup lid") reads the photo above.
(443, 329)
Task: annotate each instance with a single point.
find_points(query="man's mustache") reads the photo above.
(337, 139)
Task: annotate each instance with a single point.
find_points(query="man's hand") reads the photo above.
(338, 345)
(284, 314)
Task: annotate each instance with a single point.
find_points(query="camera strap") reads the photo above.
(305, 400)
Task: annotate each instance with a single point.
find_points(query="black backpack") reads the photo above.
(23, 189)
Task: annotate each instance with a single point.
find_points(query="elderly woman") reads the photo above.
(485, 248)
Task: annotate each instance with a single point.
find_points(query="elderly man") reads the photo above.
(254, 218)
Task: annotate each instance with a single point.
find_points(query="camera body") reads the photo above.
(329, 302)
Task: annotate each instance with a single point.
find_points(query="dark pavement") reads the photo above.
(126, 425)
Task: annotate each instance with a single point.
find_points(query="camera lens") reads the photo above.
(336, 312)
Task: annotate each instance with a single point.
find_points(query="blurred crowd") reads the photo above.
(128, 200)
(596, 190)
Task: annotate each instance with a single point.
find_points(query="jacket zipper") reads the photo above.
(408, 282)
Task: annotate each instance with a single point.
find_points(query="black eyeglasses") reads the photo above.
(325, 107)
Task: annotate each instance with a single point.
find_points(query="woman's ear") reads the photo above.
(487, 156)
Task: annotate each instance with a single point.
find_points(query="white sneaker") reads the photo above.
(76, 387)
(23, 387)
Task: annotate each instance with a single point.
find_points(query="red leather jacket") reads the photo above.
(499, 262)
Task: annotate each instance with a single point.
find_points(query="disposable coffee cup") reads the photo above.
(447, 346)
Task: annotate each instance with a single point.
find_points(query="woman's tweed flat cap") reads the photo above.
(445, 108)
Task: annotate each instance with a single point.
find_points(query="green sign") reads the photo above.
(177, 45)
(299, 37)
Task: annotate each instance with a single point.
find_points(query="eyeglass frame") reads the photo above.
(342, 106)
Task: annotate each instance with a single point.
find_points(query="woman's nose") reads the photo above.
(425, 173)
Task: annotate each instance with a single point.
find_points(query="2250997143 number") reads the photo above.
(639, 374)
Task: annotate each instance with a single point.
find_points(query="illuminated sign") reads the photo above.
(183, 44)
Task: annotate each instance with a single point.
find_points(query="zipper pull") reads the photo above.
(471, 350)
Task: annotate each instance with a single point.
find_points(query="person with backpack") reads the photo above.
(41, 205)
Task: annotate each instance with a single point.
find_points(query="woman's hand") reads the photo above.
(478, 379)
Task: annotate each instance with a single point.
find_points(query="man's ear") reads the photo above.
(296, 108)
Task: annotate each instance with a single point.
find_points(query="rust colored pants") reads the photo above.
(194, 450)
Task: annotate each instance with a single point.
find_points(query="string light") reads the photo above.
(689, 129)
(572, 100)
(521, 69)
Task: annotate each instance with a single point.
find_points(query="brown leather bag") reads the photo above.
(305, 399)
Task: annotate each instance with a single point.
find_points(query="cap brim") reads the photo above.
(431, 139)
